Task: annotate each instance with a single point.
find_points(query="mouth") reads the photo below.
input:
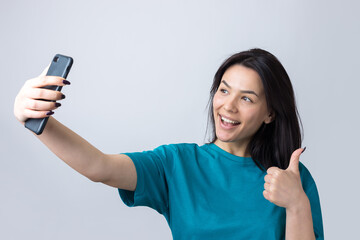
(228, 122)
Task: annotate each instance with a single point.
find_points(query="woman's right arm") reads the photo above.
(116, 170)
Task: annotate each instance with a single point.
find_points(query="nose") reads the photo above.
(231, 105)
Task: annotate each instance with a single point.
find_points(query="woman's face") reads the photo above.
(239, 105)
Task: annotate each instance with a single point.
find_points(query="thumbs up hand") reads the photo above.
(283, 187)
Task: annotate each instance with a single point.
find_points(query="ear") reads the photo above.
(270, 117)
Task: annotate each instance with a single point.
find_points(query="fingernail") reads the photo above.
(50, 113)
(303, 150)
(66, 82)
(57, 104)
(62, 96)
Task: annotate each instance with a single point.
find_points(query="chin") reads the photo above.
(225, 138)
(231, 139)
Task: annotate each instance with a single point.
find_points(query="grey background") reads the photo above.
(141, 78)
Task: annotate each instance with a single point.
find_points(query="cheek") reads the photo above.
(254, 116)
(217, 102)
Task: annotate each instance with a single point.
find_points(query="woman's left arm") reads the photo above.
(284, 188)
(299, 223)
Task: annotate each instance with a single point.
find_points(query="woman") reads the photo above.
(246, 184)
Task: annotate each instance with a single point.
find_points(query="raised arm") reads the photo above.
(115, 170)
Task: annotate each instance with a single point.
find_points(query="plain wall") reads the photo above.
(141, 78)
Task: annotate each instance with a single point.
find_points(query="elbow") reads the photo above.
(96, 172)
(94, 178)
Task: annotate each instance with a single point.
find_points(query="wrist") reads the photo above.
(299, 206)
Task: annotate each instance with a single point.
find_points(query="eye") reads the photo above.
(223, 90)
(247, 99)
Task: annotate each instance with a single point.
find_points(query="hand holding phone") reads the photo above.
(60, 66)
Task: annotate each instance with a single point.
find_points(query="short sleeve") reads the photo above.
(311, 191)
(152, 168)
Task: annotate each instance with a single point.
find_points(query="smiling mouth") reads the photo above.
(228, 121)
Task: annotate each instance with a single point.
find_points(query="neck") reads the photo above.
(235, 148)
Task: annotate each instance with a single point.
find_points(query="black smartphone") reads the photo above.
(60, 66)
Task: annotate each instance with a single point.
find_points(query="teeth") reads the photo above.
(228, 121)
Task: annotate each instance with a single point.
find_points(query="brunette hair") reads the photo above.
(273, 143)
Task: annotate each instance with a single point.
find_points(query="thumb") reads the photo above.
(294, 160)
(44, 72)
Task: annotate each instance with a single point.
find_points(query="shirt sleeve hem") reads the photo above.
(129, 197)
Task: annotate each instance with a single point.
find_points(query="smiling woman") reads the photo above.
(214, 191)
(247, 183)
(240, 108)
(266, 102)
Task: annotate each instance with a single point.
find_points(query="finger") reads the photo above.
(267, 178)
(267, 186)
(266, 195)
(40, 105)
(45, 94)
(273, 170)
(28, 113)
(48, 80)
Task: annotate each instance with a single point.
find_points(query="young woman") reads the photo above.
(247, 183)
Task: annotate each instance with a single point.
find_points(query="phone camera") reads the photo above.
(56, 59)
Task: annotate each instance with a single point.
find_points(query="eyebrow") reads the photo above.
(242, 91)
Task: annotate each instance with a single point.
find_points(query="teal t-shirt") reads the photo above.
(207, 193)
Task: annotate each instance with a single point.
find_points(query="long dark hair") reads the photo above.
(273, 143)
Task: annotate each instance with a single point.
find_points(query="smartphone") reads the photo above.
(60, 66)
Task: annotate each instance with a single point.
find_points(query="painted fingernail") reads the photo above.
(57, 104)
(66, 82)
(303, 150)
(62, 96)
(50, 113)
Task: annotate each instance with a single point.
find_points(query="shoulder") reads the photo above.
(170, 150)
(182, 151)
(179, 147)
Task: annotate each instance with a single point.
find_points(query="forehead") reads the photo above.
(243, 78)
